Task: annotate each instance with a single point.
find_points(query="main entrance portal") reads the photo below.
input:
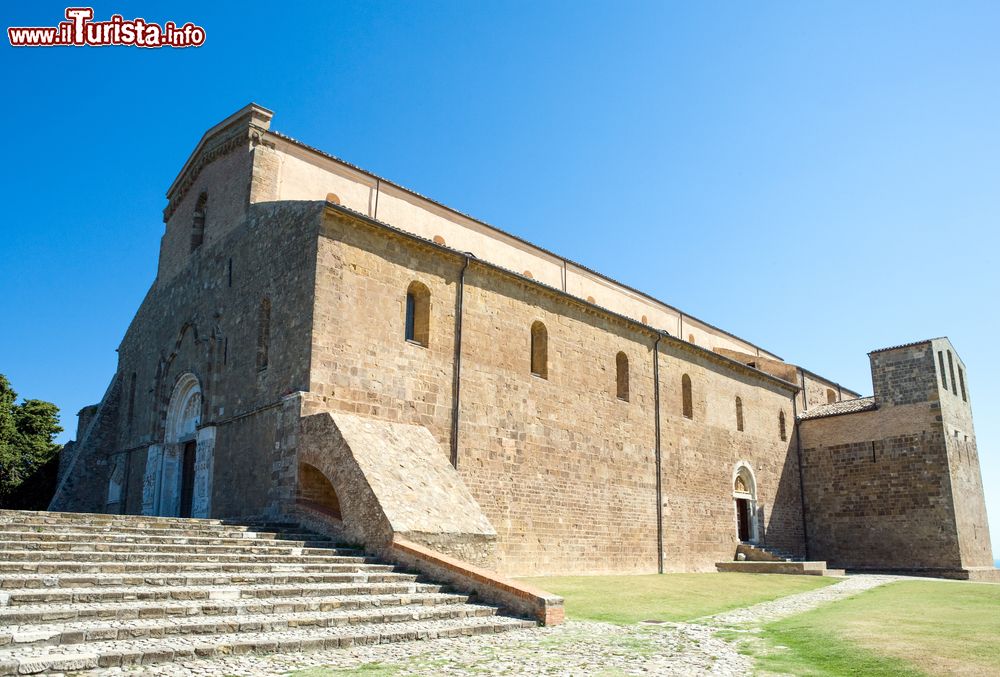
(178, 476)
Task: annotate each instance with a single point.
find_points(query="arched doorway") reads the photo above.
(745, 500)
(180, 448)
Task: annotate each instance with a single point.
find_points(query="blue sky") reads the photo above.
(819, 178)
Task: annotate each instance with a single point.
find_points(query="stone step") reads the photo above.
(19, 516)
(87, 530)
(248, 547)
(127, 653)
(28, 537)
(34, 614)
(17, 597)
(194, 579)
(57, 634)
(762, 567)
(147, 555)
(70, 567)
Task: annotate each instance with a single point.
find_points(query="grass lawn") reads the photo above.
(900, 629)
(669, 597)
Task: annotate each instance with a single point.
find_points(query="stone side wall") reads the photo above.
(201, 323)
(85, 467)
(880, 500)
(563, 469)
(904, 376)
(700, 456)
(899, 487)
(963, 456)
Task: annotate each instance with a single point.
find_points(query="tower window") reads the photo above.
(782, 432)
(418, 314)
(687, 404)
(951, 372)
(539, 350)
(198, 222)
(961, 384)
(621, 370)
(944, 378)
(739, 414)
(263, 333)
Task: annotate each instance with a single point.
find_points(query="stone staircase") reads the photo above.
(85, 591)
(760, 559)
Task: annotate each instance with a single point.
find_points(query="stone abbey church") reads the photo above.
(323, 345)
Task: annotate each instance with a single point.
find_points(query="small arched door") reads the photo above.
(745, 499)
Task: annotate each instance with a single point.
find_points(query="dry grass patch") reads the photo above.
(670, 597)
(904, 628)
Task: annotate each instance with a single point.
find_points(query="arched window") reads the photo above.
(263, 333)
(539, 350)
(739, 414)
(198, 222)
(831, 396)
(418, 314)
(686, 401)
(781, 426)
(621, 379)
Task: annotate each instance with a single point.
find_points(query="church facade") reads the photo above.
(323, 345)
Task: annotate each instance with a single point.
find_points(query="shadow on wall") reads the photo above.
(785, 520)
(316, 493)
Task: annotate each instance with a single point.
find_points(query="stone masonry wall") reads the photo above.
(563, 469)
(963, 456)
(206, 321)
(898, 487)
(878, 500)
(226, 182)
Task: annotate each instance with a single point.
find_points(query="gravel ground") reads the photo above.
(574, 648)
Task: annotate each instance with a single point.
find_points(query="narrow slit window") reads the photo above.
(739, 414)
(539, 350)
(198, 221)
(418, 314)
(621, 369)
(961, 384)
(951, 372)
(782, 431)
(687, 404)
(263, 334)
(944, 378)
(131, 399)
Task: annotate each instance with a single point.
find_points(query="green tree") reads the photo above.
(26, 434)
